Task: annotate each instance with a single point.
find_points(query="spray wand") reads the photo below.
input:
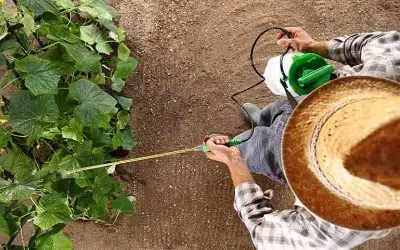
(200, 148)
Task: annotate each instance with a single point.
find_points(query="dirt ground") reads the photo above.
(193, 55)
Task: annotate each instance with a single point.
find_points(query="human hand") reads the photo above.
(301, 41)
(231, 157)
(220, 152)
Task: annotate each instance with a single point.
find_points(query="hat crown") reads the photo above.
(377, 157)
(340, 152)
(342, 146)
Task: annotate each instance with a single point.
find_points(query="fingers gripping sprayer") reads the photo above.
(293, 74)
(305, 72)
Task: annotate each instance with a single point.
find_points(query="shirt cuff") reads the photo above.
(335, 49)
(245, 194)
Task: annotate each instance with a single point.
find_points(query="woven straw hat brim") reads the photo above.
(296, 154)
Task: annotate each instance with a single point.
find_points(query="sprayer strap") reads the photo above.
(293, 102)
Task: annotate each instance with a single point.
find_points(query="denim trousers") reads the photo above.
(263, 152)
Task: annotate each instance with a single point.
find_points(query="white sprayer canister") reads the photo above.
(273, 74)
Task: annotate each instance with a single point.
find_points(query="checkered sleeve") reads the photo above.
(368, 54)
(271, 229)
(252, 205)
(348, 49)
(291, 229)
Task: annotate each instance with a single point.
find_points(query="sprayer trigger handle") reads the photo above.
(233, 142)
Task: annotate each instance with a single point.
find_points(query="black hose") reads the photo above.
(283, 81)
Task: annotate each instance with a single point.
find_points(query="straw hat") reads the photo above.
(341, 152)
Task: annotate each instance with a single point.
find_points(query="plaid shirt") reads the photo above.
(373, 54)
(368, 54)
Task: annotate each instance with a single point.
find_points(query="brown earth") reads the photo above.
(193, 55)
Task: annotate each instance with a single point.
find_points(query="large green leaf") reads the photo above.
(53, 241)
(125, 102)
(123, 52)
(51, 133)
(39, 7)
(19, 165)
(118, 84)
(86, 155)
(52, 210)
(118, 34)
(123, 119)
(9, 222)
(124, 139)
(103, 46)
(89, 33)
(32, 115)
(61, 57)
(28, 21)
(122, 205)
(109, 24)
(8, 78)
(125, 68)
(104, 121)
(67, 163)
(5, 137)
(3, 29)
(22, 187)
(99, 208)
(87, 61)
(99, 137)
(65, 4)
(104, 186)
(58, 31)
(15, 192)
(73, 131)
(93, 101)
(41, 76)
(85, 202)
(92, 35)
(51, 166)
(9, 46)
(98, 9)
(4, 225)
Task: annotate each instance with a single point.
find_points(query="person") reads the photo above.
(338, 151)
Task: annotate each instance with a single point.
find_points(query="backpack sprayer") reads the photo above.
(299, 75)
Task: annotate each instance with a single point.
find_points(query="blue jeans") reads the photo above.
(262, 152)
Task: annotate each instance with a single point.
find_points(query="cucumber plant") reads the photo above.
(66, 63)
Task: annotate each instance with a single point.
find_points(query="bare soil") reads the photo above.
(193, 55)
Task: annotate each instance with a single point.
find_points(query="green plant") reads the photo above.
(67, 62)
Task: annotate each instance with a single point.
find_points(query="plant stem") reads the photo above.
(48, 46)
(115, 220)
(22, 223)
(14, 80)
(33, 238)
(22, 236)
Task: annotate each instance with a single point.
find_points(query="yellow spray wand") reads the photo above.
(200, 148)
